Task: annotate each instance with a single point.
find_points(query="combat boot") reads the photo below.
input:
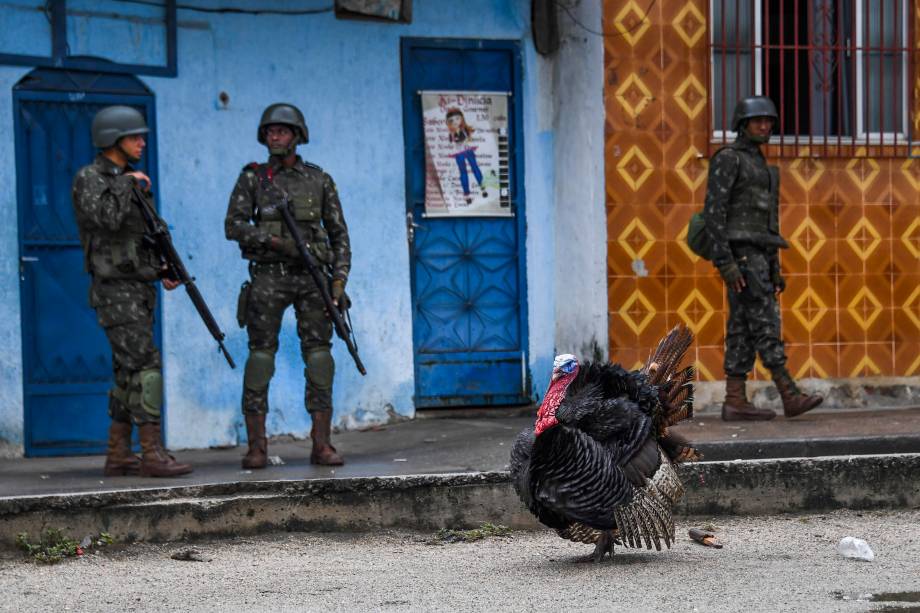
(794, 401)
(736, 406)
(155, 461)
(257, 456)
(119, 460)
(323, 452)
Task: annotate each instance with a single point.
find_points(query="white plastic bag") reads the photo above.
(858, 549)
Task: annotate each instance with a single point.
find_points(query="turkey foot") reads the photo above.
(604, 545)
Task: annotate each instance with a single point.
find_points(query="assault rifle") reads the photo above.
(338, 314)
(175, 269)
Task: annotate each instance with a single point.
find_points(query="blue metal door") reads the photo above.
(469, 312)
(67, 368)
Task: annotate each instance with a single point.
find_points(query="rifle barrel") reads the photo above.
(158, 229)
(313, 267)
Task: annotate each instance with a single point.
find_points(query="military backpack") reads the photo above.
(698, 238)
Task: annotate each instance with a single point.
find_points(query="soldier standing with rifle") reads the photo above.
(279, 278)
(742, 220)
(124, 268)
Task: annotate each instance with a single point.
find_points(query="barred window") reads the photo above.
(839, 71)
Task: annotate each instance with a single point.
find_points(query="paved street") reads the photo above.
(780, 563)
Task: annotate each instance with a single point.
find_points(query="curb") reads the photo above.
(810, 447)
(430, 502)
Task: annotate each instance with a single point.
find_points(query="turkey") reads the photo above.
(598, 465)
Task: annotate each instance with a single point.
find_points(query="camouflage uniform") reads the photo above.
(123, 270)
(279, 278)
(742, 218)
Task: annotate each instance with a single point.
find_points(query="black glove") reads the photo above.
(776, 274)
(337, 291)
(776, 278)
(731, 274)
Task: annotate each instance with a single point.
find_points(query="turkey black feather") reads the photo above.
(577, 477)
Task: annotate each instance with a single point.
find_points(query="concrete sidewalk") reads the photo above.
(451, 472)
(472, 442)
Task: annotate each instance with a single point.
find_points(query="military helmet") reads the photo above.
(287, 114)
(753, 106)
(113, 122)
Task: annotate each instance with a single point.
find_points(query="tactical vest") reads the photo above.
(122, 254)
(305, 190)
(753, 214)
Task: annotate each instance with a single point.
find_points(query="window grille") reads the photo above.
(841, 72)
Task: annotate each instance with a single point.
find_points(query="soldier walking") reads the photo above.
(742, 219)
(124, 270)
(278, 277)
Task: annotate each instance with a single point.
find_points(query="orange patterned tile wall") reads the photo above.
(852, 305)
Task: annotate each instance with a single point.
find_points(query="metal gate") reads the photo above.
(469, 307)
(67, 363)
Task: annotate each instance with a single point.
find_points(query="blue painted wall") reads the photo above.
(345, 76)
(11, 415)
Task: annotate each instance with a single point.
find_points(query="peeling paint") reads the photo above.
(11, 413)
(580, 311)
(638, 267)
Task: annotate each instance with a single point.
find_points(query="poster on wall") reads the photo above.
(466, 154)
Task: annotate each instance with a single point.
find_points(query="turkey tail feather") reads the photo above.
(679, 383)
(675, 386)
(678, 402)
(666, 359)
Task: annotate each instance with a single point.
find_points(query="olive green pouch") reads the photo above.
(698, 238)
(242, 304)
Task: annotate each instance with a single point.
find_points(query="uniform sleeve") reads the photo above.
(723, 169)
(334, 223)
(99, 205)
(238, 224)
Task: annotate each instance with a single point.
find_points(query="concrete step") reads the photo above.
(479, 443)
(430, 502)
(800, 447)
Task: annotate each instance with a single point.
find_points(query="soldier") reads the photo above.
(278, 277)
(124, 270)
(742, 218)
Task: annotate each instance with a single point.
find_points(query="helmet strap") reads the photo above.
(128, 157)
(282, 152)
(760, 140)
(284, 157)
(116, 155)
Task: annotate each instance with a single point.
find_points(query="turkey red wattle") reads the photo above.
(546, 416)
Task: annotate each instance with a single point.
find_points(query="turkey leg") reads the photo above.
(604, 545)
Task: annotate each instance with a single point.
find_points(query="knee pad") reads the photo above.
(259, 370)
(151, 383)
(320, 368)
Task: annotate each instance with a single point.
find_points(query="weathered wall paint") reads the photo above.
(345, 76)
(580, 219)
(11, 416)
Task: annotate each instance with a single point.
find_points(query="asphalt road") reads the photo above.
(780, 563)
